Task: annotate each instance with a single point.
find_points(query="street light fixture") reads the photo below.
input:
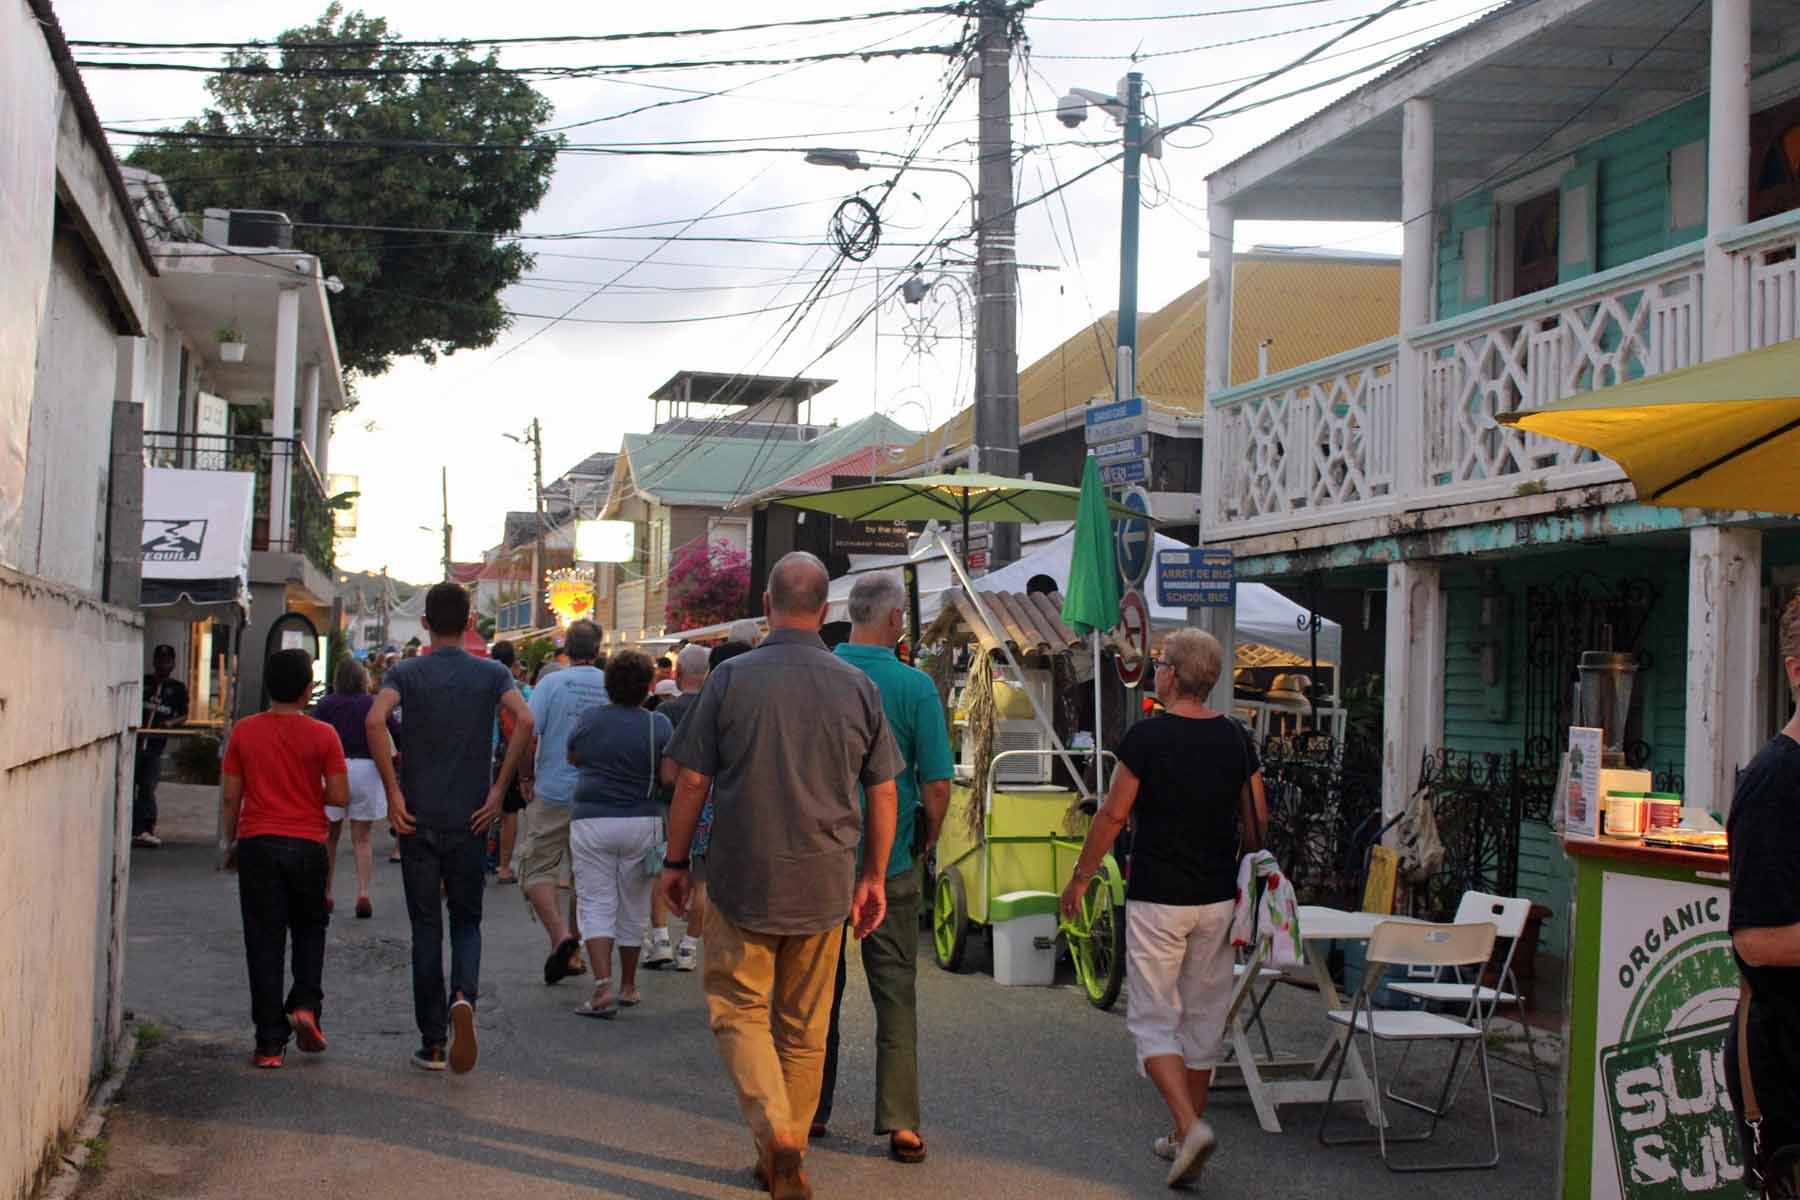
(1141, 138)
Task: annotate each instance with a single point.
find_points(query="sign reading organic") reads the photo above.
(1668, 988)
(569, 593)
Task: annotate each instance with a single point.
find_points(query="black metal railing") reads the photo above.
(309, 529)
(1324, 798)
(1477, 800)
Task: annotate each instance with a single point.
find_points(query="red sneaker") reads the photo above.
(307, 1034)
(268, 1058)
(330, 905)
(364, 910)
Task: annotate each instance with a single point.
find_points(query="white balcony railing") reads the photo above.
(1596, 333)
(1316, 439)
(1766, 281)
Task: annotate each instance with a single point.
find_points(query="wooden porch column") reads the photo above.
(1220, 622)
(309, 410)
(1724, 660)
(1418, 267)
(1412, 679)
(287, 351)
(1727, 170)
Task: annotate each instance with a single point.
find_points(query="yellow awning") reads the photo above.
(1720, 435)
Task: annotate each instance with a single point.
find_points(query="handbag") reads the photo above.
(1773, 1173)
(652, 862)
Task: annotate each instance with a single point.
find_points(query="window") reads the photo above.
(1687, 189)
(1536, 262)
(734, 530)
(1474, 266)
(1775, 160)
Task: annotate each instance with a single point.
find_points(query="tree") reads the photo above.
(708, 583)
(405, 293)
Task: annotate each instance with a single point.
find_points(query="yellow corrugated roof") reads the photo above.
(1312, 307)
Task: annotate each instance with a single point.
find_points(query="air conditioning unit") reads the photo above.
(248, 228)
(1017, 729)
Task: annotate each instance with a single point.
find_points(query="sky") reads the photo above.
(690, 305)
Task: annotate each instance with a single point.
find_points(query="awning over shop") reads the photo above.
(196, 541)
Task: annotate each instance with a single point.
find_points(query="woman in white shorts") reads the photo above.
(344, 710)
(1190, 777)
(615, 824)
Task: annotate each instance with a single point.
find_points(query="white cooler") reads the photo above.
(1024, 925)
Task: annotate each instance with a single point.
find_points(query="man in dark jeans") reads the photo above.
(165, 704)
(441, 805)
(281, 769)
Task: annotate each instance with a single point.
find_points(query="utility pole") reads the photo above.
(996, 441)
(444, 477)
(537, 549)
(1125, 371)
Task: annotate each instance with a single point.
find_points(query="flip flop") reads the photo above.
(558, 966)
(632, 1003)
(906, 1154)
(598, 1012)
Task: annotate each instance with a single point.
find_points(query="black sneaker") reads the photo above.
(430, 1058)
(463, 1047)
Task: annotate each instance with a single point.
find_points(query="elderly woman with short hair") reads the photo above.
(1190, 777)
(615, 823)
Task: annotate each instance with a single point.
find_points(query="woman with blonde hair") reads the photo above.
(1190, 777)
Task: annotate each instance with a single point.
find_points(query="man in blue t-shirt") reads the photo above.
(441, 804)
(915, 716)
(557, 703)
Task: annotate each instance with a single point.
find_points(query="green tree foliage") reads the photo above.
(405, 293)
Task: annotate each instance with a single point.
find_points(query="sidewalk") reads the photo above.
(1030, 1093)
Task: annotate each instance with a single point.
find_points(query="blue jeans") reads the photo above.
(436, 862)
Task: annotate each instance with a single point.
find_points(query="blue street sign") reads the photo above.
(1195, 578)
(1121, 474)
(1123, 450)
(1134, 539)
(1110, 422)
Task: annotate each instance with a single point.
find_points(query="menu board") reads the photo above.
(1581, 796)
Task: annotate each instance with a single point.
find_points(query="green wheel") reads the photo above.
(950, 919)
(1096, 940)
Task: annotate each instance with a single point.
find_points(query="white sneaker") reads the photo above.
(657, 955)
(1191, 1156)
(687, 955)
(1166, 1147)
(148, 841)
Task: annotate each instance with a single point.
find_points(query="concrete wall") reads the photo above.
(71, 691)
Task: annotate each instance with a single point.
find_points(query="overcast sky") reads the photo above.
(589, 382)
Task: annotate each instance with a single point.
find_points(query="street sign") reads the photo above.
(1135, 539)
(1122, 474)
(1111, 422)
(1195, 578)
(1123, 450)
(1134, 620)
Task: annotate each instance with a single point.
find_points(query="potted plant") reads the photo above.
(231, 343)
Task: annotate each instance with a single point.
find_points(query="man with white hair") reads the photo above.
(781, 737)
(690, 676)
(747, 631)
(890, 955)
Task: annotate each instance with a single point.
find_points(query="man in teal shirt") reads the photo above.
(890, 955)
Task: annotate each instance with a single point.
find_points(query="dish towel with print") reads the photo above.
(1265, 910)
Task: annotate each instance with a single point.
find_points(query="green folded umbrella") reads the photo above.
(1092, 600)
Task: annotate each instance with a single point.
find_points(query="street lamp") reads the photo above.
(852, 160)
(1128, 111)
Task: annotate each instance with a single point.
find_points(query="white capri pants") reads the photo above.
(612, 893)
(1178, 964)
(368, 799)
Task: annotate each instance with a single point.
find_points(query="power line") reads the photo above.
(1186, 16)
(1141, 56)
(527, 40)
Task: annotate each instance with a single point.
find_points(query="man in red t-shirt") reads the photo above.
(281, 769)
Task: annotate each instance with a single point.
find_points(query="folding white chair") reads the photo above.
(1407, 944)
(1509, 916)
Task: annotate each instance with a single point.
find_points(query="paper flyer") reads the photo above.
(1582, 816)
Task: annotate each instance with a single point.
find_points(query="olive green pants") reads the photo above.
(890, 958)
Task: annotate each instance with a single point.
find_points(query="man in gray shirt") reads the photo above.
(782, 736)
(441, 804)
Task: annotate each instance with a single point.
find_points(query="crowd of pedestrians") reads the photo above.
(774, 795)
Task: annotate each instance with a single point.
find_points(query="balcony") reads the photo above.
(1335, 441)
(285, 479)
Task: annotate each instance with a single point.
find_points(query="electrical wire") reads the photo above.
(1186, 16)
(1142, 56)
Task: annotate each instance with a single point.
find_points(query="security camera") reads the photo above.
(1071, 110)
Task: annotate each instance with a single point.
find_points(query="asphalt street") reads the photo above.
(1029, 1092)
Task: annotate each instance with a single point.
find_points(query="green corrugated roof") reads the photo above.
(717, 472)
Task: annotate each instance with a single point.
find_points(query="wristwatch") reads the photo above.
(676, 864)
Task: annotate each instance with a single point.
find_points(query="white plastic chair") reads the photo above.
(1408, 944)
(1509, 915)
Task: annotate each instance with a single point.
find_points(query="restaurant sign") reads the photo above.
(865, 537)
(1668, 987)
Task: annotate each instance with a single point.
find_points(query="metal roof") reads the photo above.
(1521, 86)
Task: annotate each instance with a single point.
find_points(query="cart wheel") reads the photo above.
(950, 919)
(1097, 943)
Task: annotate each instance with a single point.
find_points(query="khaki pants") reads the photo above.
(769, 1001)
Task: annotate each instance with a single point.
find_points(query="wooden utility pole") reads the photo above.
(996, 440)
(444, 476)
(538, 620)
